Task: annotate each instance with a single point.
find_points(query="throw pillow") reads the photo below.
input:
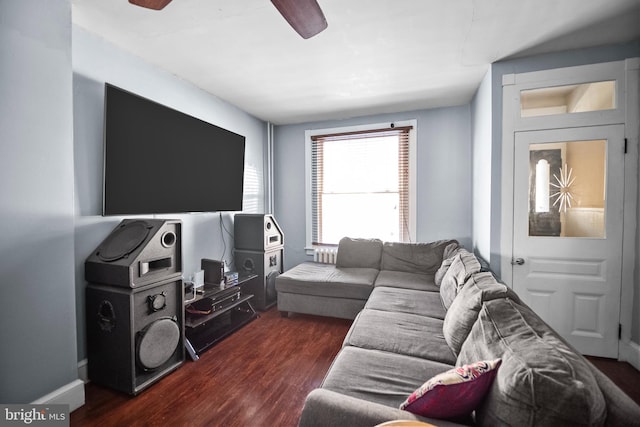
(454, 394)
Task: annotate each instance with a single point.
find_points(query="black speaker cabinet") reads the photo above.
(267, 265)
(257, 232)
(138, 252)
(134, 336)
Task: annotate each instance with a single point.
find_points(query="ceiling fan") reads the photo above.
(305, 16)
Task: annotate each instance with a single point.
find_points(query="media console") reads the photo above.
(215, 314)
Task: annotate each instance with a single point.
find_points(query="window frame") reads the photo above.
(309, 133)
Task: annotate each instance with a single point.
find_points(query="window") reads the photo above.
(567, 99)
(360, 184)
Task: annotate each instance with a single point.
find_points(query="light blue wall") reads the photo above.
(443, 176)
(482, 138)
(95, 62)
(37, 290)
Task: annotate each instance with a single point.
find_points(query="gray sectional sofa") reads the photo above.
(422, 309)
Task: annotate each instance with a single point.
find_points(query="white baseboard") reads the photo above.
(630, 352)
(71, 394)
(83, 373)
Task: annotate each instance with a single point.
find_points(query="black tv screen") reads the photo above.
(159, 160)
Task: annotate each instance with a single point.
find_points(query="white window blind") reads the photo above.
(360, 185)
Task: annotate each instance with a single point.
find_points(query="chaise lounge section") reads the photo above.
(426, 309)
(342, 290)
(323, 289)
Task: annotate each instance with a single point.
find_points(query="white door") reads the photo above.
(567, 237)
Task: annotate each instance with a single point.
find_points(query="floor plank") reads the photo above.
(259, 376)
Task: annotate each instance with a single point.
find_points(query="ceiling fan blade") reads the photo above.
(151, 4)
(305, 16)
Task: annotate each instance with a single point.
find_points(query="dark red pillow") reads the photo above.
(454, 394)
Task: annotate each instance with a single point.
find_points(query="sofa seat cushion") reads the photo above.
(463, 313)
(401, 333)
(406, 301)
(379, 376)
(311, 278)
(414, 257)
(403, 279)
(541, 381)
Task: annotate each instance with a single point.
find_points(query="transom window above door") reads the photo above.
(568, 99)
(359, 184)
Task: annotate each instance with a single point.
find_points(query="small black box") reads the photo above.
(213, 271)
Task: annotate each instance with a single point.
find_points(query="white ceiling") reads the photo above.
(376, 56)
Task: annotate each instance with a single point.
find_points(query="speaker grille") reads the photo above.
(157, 342)
(123, 241)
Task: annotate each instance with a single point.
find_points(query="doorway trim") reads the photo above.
(627, 112)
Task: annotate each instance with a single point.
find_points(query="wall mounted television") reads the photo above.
(161, 161)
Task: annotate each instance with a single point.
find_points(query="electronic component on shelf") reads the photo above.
(231, 278)
(213, 271)
(215, 303)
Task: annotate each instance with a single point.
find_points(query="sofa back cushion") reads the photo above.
(444, 267)
(463, 265)
(541, 381)
(464, 309)
(449, 252)
(414, 257)
(359, 253)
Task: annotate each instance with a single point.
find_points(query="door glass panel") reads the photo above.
(567, 189)
(568, 99)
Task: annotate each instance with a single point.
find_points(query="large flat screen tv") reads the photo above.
(159, 160)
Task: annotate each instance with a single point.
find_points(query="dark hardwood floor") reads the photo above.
(622, 373)
(258, 376)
